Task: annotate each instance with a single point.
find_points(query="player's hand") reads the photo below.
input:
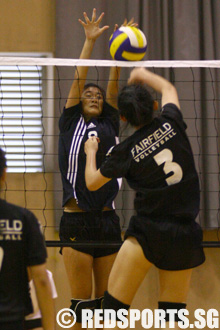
(126, 23)
(91, 27)
(137, 76)
(91, 144)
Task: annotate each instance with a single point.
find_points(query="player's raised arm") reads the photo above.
(158, 83)
(92, 32)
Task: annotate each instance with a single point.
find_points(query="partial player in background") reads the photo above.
(158, 163)
(88, 216)
(21, 245)
(33, 321)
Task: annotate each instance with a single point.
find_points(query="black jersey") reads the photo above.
(74, 131)
(21, 245)
(158, 163)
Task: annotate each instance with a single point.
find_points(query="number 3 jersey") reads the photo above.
(158, 163)
(74, 131)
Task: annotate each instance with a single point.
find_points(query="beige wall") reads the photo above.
(27, 25)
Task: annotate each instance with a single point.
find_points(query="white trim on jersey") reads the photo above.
(118, 179)
(74, 153)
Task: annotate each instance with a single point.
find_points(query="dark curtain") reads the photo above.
(175, 30)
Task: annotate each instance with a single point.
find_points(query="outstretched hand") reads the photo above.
(91, 27)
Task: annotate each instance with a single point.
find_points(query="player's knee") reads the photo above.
(176, 307)
(110, 302)
(77, 305)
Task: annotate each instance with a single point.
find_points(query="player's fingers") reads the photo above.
(93, 15)
(100, 18)
(106, 27)
(115, 27)
(81, 22)
(125, 22)
(131, 21)
(86, 17)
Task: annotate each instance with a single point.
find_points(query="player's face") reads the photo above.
(92, 102)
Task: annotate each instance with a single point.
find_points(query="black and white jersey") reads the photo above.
(21, 245)
(158, 163)
(74, 131)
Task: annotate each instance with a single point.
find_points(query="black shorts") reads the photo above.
(32, 324)
(170, 244)
(95, 226)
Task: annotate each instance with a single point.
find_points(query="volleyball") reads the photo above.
(128, 43)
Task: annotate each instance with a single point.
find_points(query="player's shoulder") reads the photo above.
(14, 211)
(11, 209)
(171, 112)
(171, 109)
(122, 150)
(69, 116)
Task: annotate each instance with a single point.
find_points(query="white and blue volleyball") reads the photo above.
(128, 43)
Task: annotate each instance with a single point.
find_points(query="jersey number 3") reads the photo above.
(165, 157)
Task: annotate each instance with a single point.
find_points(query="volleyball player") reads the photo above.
(158, 164)
(21, 246)
(88, 216)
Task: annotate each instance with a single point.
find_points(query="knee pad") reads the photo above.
(110, 302)
(171, 305)
(79, 304)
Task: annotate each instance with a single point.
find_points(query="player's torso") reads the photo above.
(76, 160)
(13, 274)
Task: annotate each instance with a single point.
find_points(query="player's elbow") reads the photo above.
(91, 186)
(169, 89)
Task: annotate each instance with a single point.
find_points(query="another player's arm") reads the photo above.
(92, 32)
(158, 83)
(44, 295)
(94, 178)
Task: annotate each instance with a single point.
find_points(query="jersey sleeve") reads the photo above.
(116, 164)
(34, 240)
(68, 116)
(171, 111)
(112, 115)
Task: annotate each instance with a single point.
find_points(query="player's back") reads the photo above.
(17, 244)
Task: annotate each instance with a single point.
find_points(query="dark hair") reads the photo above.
(97, 86)
(135, 103)
(2, 162)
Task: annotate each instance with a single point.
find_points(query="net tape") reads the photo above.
(107, 63)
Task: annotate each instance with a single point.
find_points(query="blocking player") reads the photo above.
(88, 216)
(158, 163)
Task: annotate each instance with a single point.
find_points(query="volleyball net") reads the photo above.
(33, 92)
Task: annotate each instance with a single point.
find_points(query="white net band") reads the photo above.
(107, 63)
